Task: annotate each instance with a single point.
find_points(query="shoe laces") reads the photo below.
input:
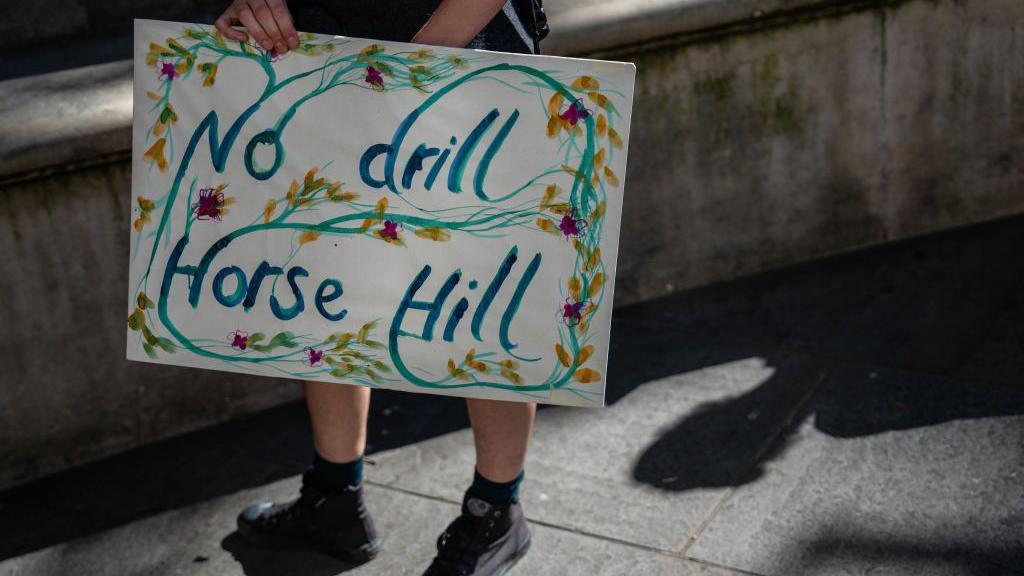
(462, 543)
(308, 500)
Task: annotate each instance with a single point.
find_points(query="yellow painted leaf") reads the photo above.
(593, 259)
(555, 103)
(219, 39)
(570, 170)
(146, 204)
(175, 46)
(610, 176)
(509, 364)
(554, 125)
(456, 371)
(153, 95)
(595, 285)
(549, 194)
(156, 154)
(292, 191)
(268, 210)
(511, 376)
(560, 208)
(308, 180)
(602, 125)
(547, 226)
(599, 211)
(599, 99)
(364, 331)
(160, 50)
(585, 353)
(435, 234)
(308, 236)
(586, 375)
(574, 288)
(563, 356)
(381, 208)
(599, 159)
(614, 137)
(370, 50)
(585, 83)
(141, 221)
(478, 366)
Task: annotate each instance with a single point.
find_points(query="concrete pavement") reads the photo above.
(859, 415)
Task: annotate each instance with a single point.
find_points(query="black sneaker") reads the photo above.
(486, 540)
(335, 523)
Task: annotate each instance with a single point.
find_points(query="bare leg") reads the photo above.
(338, 413)
(501, 432)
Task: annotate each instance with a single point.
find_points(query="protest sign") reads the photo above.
(376, 213)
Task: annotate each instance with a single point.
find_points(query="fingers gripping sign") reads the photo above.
(268, 21)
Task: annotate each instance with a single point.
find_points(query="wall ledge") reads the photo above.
(609, 25)
(82, 117)
(64, 119)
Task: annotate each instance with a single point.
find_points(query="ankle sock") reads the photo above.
(496, 493)
(334, 476)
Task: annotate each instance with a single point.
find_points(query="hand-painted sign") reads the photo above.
(376, 213)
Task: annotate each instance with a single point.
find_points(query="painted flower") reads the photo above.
(572, 311)
(575, 112)
(314, 356)
(239, 339)
(167, 71)
(571, 226)
(374, 78)
(212, 204)
(390, 230)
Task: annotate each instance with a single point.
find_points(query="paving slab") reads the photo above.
(201, 540)
(889, 472)
(646, 470)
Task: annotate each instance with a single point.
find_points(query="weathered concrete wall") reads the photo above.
(756, 150)
(757, 143)
(67, 394)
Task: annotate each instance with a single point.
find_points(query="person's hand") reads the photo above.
(269, 22)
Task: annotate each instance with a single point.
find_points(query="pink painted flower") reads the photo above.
(570, 225)
(239, 339)
(390, 231)
(575, 112)
(167, 71)
(572, 312)
(374, 78)
(314, 356)
(210, 205)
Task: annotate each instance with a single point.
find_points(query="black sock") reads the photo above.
(496, 493)
(334, 476)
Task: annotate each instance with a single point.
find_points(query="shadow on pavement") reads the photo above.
(937, 323)
(257, 561)
(829, 553)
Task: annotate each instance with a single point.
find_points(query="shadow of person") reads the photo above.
(909, 333)
(723, 443)
(259, 561)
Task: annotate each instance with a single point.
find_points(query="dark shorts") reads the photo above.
(399, 20)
